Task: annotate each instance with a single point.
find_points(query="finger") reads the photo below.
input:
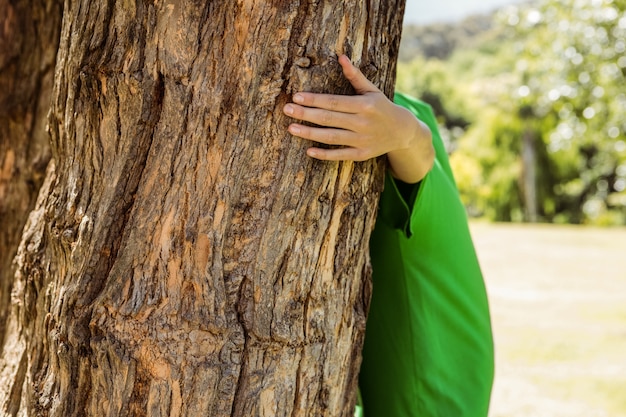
(320, 117)
(324, 135)
(360, 83)
(345, 104)
(341, 154)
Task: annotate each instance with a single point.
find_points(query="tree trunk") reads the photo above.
(185, 258)
(29, 35)
(529, 176)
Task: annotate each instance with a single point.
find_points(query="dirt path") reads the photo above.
(558, 300)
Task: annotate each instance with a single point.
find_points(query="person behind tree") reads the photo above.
(428, 348)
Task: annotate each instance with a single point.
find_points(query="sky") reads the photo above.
(428, 11)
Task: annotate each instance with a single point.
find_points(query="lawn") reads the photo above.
(558, 302)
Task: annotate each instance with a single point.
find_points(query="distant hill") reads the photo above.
(439, 40)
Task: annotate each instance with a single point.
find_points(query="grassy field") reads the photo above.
(558, 300)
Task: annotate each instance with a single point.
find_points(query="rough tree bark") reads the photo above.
(29, 35)
(185, 258)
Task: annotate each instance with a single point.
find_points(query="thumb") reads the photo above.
(361, 84)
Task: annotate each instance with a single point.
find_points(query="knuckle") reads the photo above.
(327, 117)
(298, 112)
(362, 125)
(364, 154)
(333, 103)
(305, 132)
(369, 104)
(368, 140)
(332, 137)
(321, 154)
(355, 73)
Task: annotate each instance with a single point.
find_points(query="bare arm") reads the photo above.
(367, 125)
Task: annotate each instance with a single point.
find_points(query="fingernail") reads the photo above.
(294, 129)
(288, 109)
(298, 98)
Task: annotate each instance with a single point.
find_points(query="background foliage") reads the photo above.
(532, 103)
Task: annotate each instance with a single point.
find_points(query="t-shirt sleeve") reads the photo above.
(398, 201)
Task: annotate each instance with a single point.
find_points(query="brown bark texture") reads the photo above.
(185, 257)
(29, 34)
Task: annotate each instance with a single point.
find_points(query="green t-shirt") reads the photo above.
(428, 345)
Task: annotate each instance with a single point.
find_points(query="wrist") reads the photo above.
(414, 131)
(410, 164)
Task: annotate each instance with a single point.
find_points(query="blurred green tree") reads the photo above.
(572, 91)
(543, 93)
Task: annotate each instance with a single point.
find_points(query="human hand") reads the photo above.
(365, 125)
